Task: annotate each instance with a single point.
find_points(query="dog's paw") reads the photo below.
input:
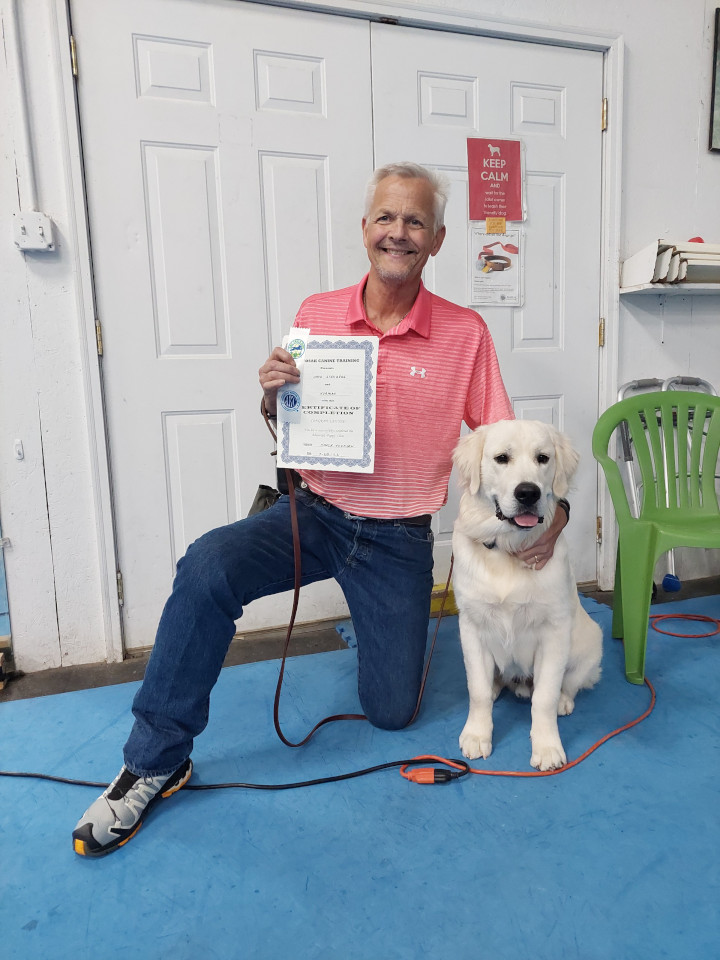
(548, 756)
(474, 745)
(566, 705)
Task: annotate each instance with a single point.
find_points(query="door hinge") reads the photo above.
(601, 332)
(98, 337)
(73, 56)
(604, 114)
(598, 530)
(120, 588)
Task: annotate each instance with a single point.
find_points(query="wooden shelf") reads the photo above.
(674, 289)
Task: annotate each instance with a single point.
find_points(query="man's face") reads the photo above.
(399, 231)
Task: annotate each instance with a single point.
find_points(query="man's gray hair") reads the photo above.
(413, 171)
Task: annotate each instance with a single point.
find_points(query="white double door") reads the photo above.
(227, 146)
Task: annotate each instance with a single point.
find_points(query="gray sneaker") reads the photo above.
(118, 813)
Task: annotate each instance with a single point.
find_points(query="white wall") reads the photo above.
(59, 605)
(46, 500)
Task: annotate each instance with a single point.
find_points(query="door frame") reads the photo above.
(431, 17)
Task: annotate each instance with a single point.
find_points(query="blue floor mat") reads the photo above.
(616, 858)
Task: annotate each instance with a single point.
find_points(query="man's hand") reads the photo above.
(540, 552)
(278, 369)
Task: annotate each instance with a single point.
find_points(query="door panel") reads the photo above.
(448, 87)
(220, 155)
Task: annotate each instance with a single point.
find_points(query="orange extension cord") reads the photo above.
(658, 617)
(421, 774)
(425, 774)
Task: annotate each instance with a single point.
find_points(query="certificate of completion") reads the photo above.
(335, 428)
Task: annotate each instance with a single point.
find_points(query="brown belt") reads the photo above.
(420, 521)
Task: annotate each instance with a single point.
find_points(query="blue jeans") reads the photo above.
(383, 567)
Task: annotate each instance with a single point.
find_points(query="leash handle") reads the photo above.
(268, 424)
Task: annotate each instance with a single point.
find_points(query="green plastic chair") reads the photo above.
(674, 438)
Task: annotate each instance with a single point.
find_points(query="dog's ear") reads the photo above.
(566, 463)
(467, 457)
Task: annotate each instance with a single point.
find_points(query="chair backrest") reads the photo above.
(674, 438)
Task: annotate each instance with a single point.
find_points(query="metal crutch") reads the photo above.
(633, 386)
(671, 582)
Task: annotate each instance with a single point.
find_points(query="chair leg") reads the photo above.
(617, 618)
(638, 562)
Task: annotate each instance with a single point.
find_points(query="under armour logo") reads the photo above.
(417, 371)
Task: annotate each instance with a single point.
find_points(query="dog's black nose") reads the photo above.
(527, 493)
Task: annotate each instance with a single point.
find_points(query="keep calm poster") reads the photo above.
(495, 178)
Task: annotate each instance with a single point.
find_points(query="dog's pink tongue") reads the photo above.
(526, 520)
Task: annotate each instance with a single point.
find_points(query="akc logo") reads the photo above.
(290, 400)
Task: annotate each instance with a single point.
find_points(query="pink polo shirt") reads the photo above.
(436, 368)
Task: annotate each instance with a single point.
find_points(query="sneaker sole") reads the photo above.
(84, 849)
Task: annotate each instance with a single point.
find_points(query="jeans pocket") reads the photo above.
(416, 534)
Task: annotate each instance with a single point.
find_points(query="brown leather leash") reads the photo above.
(291, 622)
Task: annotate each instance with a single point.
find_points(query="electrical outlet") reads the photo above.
(33, 231)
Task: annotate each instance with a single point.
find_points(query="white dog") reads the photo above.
(519, 627)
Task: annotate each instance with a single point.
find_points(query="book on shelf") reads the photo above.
(692, 247)
(663, 261)
(693, 255)
(699, 271)
(673, 269)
